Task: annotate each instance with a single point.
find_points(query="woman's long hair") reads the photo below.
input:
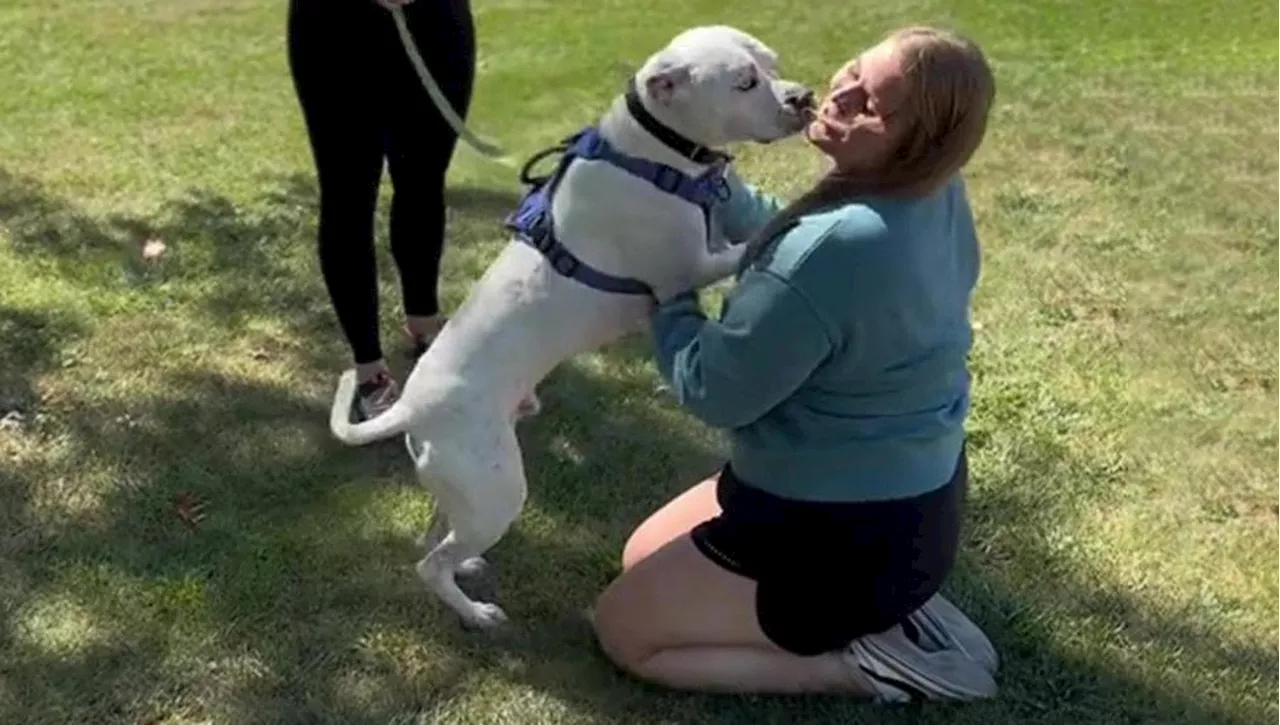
(949, 91)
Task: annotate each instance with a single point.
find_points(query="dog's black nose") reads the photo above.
(800, 99)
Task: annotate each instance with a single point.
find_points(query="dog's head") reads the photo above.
(718, 85)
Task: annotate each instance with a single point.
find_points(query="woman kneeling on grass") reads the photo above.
(812, 562)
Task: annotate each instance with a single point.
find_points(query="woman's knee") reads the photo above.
(619, 629)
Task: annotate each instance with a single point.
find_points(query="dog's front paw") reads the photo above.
(715, 268)
(484, 616)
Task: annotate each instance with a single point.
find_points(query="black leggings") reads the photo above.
(362, 102)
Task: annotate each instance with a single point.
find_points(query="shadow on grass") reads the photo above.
(227, 261)
(273, 604)
(293, 599)
(31, 343)
(1026, 598)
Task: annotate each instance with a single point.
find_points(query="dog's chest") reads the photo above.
(597, 201)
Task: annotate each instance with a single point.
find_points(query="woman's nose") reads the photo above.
(845, 97)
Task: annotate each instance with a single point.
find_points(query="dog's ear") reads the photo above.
(664, 84)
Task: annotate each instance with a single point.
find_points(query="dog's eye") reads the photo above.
(749, 83)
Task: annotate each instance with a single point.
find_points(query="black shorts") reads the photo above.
(828, 573)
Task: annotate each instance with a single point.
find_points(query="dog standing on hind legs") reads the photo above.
(626, 217)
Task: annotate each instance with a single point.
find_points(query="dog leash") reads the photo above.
(489, 150)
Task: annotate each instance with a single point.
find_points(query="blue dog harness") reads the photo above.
(531, 220)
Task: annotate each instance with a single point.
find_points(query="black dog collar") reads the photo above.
(678, 143)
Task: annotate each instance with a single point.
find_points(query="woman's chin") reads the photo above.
(817, 135)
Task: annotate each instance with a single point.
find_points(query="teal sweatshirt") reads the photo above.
(837, 365)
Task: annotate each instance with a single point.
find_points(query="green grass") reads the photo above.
(1121, 544)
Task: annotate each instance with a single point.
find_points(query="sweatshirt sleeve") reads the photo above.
(746, 210)
(730, 372)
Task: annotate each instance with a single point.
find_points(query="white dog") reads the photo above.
(623, 219)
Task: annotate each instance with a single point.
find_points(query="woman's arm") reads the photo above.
(730, 372)
(746, 210)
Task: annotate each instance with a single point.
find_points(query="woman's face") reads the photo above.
(856, 125)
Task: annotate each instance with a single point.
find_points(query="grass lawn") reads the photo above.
(1122, 537)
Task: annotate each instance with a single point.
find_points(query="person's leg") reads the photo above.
(677, 619)
(740, 602)
(340, 113)
(932, 651)
(675, 519)
(421, 147)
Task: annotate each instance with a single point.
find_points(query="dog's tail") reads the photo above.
(392, 421)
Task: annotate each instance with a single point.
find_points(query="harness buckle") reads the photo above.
(667, 179)
(534, 227)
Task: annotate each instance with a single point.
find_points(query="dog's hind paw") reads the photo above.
(484, 615)
(475, 566)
